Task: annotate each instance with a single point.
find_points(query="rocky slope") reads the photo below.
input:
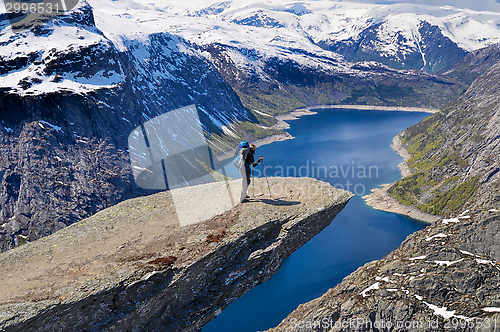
(454, 153)
(443, 278)
(133, 267)
(474, 64)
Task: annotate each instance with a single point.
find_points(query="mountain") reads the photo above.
(445, 276)
(73, 87)
(70, 98)
(470, 67)
(405, 36)
(134, 267)
(284, 55)
(454, 153)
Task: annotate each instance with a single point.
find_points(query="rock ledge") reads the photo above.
(133, 267)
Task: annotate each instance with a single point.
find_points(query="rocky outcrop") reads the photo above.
(445, 277)
(454, 153)
(133, 267)
(474, 64)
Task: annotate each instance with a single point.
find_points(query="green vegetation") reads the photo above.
(270, 102)
(286, 98)
(436, 184)
(22, 240)
(408, 190)
(256, 131)
(453, 159)
(447, 202)
(390, 95)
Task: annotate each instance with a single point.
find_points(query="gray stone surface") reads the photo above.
(133, 267)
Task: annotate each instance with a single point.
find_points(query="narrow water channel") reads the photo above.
(350, 149)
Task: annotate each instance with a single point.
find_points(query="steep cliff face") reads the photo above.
(133, 267)
(70, 96)
(445, 277)
(454, 153)
(73, 87)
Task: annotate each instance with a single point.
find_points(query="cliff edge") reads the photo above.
(133, 267)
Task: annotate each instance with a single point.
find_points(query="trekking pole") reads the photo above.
(253, 187)
(264, 165)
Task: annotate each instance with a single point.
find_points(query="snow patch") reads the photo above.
(452, 220)
(56, 128)
(491, 309)
(440, 235)
(418, 276)
(440, 311)
(468, 253)
(372, 287)
(464, 213)
(386, 279)
(484, 261)
(418, 258)
(448, 263)
(262, 113)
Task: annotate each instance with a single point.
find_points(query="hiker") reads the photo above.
(246, 164)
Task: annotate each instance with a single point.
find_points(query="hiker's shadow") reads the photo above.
(277, 202)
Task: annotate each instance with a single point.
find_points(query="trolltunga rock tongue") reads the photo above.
(134, 267)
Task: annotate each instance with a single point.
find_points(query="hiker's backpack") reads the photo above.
(237, 162)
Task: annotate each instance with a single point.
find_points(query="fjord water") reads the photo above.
(340, 140)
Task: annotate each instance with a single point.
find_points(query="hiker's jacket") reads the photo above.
(249, 159)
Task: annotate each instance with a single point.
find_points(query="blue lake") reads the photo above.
(329, 146)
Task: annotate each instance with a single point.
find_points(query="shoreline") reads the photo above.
(294, 115)
(369, 108)
(379, 199)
